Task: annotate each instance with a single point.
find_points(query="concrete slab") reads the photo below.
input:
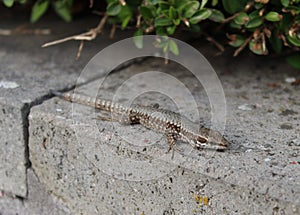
(103, 167)
(38, 200)
(27, 73)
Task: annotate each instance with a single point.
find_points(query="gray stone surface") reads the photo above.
(37, 202)
(27, 73)
(103, 167)
(99, 167)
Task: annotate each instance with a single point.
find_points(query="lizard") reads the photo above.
(172, 124)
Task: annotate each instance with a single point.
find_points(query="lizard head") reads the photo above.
(208, 138)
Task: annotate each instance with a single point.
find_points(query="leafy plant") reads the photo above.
(10, 3)
(294, 61)
(264, 26)
(61, 7)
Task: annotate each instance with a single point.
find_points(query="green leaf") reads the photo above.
(164, 13)
(241, 19)
(62, 8)
(214, 2)
(195, 28)
(180, 3)
(39, 8)
(294, 61)
(233, 6)
(275, 41)
(138, 38)
(113, 8)
(162, 22)
(200, 15)
(8, 3)
(236, 40)
(125, 16)
(258, 5)
(176, 21)
(216, 16)
(165, 47)
(160, 31)
(285, 3)
(146, 12)
(125, 22)
(232, 24)
(164, 5)
(191, 8)
(294, 40)
(173, 47)
(254, 23)
(171, 29)
(172, 13)
(273, 16)
(257, 48)
(254, 14)
(203, 3)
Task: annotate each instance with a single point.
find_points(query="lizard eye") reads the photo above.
(201, 139)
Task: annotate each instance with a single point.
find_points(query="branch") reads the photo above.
(214, 42)
(242, 46)
(79, 50)
(89, 35)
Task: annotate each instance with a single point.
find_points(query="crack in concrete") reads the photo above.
(25, 110)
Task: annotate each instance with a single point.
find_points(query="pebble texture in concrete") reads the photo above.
(106, 168)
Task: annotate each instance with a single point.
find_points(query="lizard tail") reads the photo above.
(88, 101)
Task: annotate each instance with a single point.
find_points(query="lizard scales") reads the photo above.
(175, 126)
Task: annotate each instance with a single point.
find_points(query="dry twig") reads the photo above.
(122, 2)
(166, 57)
(79, 50)
(214, 42)
(138, 21)
(89, 35)
(91, 3)
(228, 19)
(112, 31)
(242, 46)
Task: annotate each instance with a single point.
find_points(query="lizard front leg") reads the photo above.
(172, 143)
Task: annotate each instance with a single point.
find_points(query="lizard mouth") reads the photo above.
(223, 145)
(219, 146)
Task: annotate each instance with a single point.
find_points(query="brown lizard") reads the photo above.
(172, 124)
